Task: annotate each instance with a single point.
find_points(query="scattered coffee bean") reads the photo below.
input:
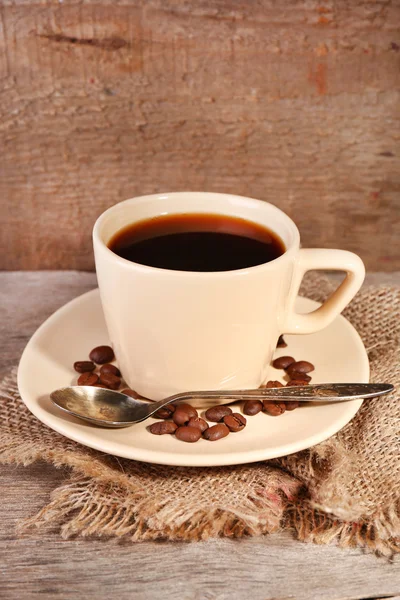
(217, 413)
(183, 413)
(274, 409)
(199, 423)
(294, 382)
(100, 385)
(83, 366)
(252, 407)
(274, 384)
(235, 422)
(297, 375)
(107, 368)
(188, 434)
(102, 354)
(162, 427)
(88, 378)
(283, 362)
(301, 366)
(281, 342)
(216, 432)
(292, 404)
(111, 381)
(165, 412)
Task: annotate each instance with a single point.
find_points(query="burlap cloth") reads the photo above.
(346, 489)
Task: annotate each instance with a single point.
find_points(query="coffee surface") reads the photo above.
(197, 242)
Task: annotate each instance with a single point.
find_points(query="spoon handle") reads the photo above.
(327, 392)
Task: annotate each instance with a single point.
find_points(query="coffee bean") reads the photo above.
(252, 407)
(83, 366)
(165, 412)
(217, 413)
(274, 409)
(292, 404)
(297, 375)
(281, 342)
(102, 354)
(235, 422)
(199, 423)
(274, 384)
(133, 394)
(100, 385)
(301, 366)
(107, 368)
(216, 432)
(183, 413)
(111, 381)
(283, 362)
(294, 382)
(162, 427)
(188, 434)
(88, 378)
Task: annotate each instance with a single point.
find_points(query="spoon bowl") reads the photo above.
(99, 406)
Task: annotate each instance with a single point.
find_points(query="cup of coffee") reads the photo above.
(197, 287)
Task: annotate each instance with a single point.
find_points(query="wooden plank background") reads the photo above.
(292, 102)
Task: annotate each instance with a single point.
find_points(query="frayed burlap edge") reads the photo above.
(77, 508)
(379, 534)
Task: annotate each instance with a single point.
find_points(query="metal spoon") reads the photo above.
(114, 409)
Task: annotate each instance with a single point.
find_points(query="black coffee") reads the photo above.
(197, 242)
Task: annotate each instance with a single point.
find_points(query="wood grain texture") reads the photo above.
(44, 565)
(293, 102)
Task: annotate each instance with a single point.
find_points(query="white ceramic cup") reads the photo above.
(175, 331)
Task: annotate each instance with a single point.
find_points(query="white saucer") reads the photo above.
(70, 333)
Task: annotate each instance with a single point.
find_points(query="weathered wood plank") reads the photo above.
(292, 102)
(276, 567)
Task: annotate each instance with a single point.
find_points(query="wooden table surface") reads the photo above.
(263, 568)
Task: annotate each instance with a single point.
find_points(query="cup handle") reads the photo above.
(321, 259)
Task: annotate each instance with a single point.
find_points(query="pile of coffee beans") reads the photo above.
(183, 420)
(99, 372)
(188, 426)
(297, 370)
